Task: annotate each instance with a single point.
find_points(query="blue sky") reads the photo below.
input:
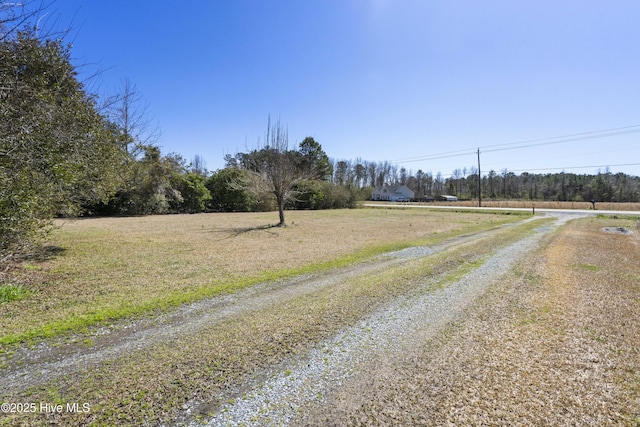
(380, 79)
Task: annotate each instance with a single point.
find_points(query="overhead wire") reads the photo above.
(534, 143)
(529, 143)
(575, 167)
(557, 169)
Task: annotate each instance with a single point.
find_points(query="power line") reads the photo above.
(576, 167)
(529, 143)
(569, 135)
(565, 140)
(556, 168)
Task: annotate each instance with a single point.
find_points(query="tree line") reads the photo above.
(602, 186)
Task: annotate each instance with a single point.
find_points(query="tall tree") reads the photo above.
(193, 192)
(57, 152)
(152, 186)
(360, 173)
(199, 165)
(315, 160)
(341, 170)
(128, 111)
(224, 197)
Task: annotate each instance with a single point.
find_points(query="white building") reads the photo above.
(398, 193)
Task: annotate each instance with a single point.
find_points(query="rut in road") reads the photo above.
(47, 361)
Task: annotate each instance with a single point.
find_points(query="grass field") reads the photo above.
(152, 385)
(108, 268)
(574, 298)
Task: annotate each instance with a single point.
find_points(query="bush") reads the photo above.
(224, 198)
(194, 194)
(325, 195)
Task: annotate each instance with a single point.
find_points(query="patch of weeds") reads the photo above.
(616, 351)
(594, 336)
(622, 217)
(54, 397)
(466, 268)
(10, 292)
(590, 267)
(529, 320)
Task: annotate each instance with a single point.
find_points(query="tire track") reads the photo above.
(391, 332)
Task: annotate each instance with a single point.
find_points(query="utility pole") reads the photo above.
(479, 182)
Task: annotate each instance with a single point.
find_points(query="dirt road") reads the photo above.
(489, 337)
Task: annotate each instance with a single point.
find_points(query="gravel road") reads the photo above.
(391, 332)
(298, 389)
(35, 365)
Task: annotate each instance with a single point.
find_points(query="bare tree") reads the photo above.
(457, 176)
(17, 15)
(274, 169)
(129, 113)
(371, 173)
(438, 184)
(199, 165)
(420, 177)
(341, 168)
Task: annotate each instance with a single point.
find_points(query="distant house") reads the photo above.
(398, 193)
(447, 198)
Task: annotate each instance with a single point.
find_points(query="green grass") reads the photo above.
(9, 292)
(101, 315)
(590, 267)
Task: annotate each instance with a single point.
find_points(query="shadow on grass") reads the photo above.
(36, 254)
(235, 232)
(231, 232)
(44, 253)
(23, 269)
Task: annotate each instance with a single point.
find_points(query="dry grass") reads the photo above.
(153, 385)
(555, 344)
(114, 267)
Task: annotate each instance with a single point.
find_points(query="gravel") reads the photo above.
(617, 230)
(411, 253)
(280, 398)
